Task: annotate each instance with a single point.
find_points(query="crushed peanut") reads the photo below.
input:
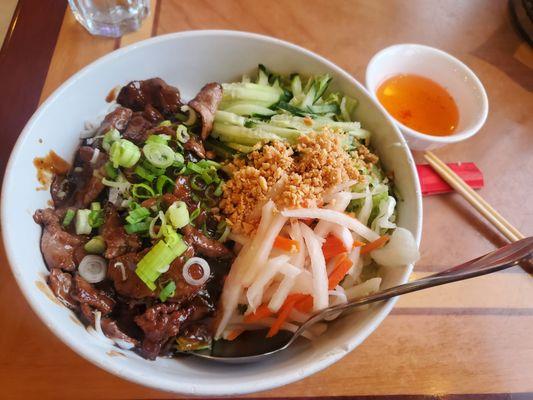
(293, 177)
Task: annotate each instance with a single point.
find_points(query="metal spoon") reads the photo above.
(252, 347)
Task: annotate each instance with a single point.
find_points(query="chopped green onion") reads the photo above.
(139, 227)
(124, 153)
(195, 168)
(163, 181)
(137, 215)
(132, 205)
(195, 197)
(162, 254)
(121, 183)
(225, 234)
(96, 218)
(69, 216)
(95, 206)
(197, 183)
(95, 246)
(159, 155)
(195, 214)
(151, 169)
(165, 123)
(210, 198)
(168, 291)
(144, 173)
(161, 139)
(110, 171)
(110, 137)
(209, 163)
(151, 231)
(82, 222)
(178, 160)
(218, 190)
(137, 193)
(182, 135)
(178, 214)
(207, 171)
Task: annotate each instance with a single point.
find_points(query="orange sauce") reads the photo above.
(49, 165)
(112, 94)
(420, 104)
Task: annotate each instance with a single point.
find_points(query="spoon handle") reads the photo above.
(502, 258)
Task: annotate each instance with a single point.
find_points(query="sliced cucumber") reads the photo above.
(262, 75)
(321, 84)
(296, 85)
(241, 135)
(219, 148)
(244, 108)
(226, 117)
(241, 148)
(250, 92)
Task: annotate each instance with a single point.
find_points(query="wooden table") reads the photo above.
(473, 337)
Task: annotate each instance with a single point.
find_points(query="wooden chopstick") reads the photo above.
(484, 208)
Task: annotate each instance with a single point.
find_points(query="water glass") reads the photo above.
(112, 18)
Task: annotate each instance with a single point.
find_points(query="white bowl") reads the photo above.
(187, 60)
(463, 85)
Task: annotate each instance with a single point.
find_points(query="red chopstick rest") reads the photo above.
(431, 183)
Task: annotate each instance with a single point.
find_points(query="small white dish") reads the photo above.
(439, 66)
(56, 126)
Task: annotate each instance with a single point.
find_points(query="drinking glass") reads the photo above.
(112, 18)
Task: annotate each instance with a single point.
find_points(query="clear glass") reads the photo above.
(112, 18)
